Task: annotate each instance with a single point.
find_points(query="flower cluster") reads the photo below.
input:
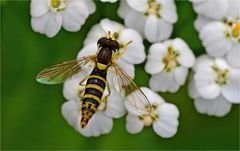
(216, 83)
(130, 54)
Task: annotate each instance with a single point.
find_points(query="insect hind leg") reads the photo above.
(81, 83)
(105, 98)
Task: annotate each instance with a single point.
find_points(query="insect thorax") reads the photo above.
(105, 56)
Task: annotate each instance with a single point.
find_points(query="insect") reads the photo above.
(96, 82)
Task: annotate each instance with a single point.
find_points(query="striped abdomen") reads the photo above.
(95, 87)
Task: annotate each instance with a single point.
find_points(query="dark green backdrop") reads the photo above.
(30, 112)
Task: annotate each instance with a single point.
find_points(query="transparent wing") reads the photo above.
(60, 72)
(135, 98)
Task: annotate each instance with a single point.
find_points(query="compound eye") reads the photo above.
(102, 42)
(114, 45)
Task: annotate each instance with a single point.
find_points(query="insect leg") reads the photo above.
(105, 98)
(81, 83)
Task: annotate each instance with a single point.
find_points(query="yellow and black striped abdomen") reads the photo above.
(95, 87)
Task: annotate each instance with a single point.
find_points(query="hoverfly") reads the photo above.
(96, 82)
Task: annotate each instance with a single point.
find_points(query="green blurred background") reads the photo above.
(30, 112)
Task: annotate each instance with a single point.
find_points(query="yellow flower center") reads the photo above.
(148, 119)
(236, 30)
(170, 60)
(58, 4)
(153, 8)
(221, 75)
(55, 3)
(233, 30)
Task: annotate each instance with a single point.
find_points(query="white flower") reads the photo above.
(48, 16)
(218, 106)
(111, 1)
(168, 63)
(217, 9)
(101, 122)
(214, 77)
(131, 43)
(154, 19)
(164, 117)
(222, 38)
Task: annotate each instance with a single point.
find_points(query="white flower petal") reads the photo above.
(134, 53)
(186, 56)
(206, 8)
(201, 21)
(206, 85)
(167, 110)
(74, 16)
(134, 125)
(115, 105)
(231, 91)
(38, 8)
(135, 20)
(154, 62)
(192, 89)
(90, 6)
(233, 8)
(70, 112)
(157, 29)
(168, 11)
(167, 124)
(48, 24)
(166, 129)
(94, 34)
(130, 35)
(109, 25)
(180, 74)
(139, 5)
(39, 24)
(163, 82)
(153, 97)
(71, 87)
(88, 50)
(54, 25)
(127, 67)
(233, 56)
(217, 107)
(123, 9)
(203, 61)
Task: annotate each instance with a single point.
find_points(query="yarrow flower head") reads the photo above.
(131, 43)
(101, 122)
(48, 16)
(168, 63)
(214, 77)
(214, 86)
(163, 116)
(152, 18)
